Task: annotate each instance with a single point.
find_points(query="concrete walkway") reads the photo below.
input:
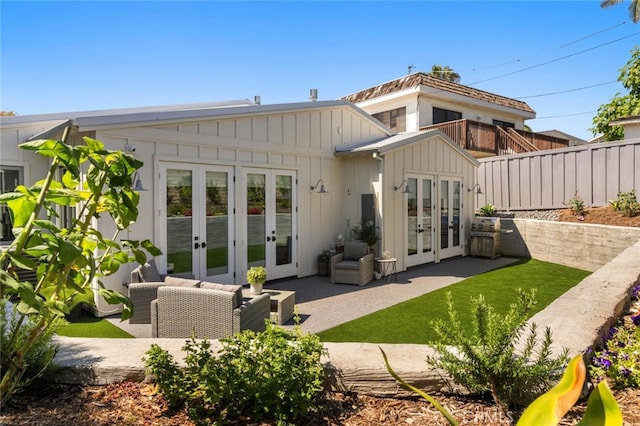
(577, 319)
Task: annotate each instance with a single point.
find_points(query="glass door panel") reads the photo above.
(179, 221)
(271, 222)
(217, 223)
(256, 219)
(284, 220)
(419, 220)
(450, 215)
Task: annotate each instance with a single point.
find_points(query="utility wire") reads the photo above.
(564, 115)
(552, 50)
(554, 60)
(565, 91)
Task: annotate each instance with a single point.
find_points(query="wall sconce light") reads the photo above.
(137, 182)
(322, 189)
(478, 191)
(406, 187)
(129, 148)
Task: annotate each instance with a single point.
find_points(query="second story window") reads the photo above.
(10, 177)
(395, 119)
(503, 124)
(441, 115)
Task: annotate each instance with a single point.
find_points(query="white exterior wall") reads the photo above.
(469, 112)
(34, 166)
(302, 142)
(435, 157)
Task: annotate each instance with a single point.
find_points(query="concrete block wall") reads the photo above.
(579, 245)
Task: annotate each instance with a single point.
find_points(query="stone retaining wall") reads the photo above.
(579, 245)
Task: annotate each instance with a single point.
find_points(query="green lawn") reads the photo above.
(410, 321)
(88, 325)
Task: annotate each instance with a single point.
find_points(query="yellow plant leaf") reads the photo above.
(602, 408)
(550, 407)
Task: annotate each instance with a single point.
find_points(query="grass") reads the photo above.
(410, 321)
(88, 325)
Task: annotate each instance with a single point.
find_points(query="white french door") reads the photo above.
(450, 204)
(420, 226)
(271, 221)
(198, 220)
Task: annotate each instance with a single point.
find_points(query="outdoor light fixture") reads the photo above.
(478, 191)
(137, 182)
(322, 189)
(406, 187)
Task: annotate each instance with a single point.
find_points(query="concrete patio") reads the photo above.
(322, 304)
(577, 320)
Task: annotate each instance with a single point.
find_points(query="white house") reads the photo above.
(236, 184)
(631, 125)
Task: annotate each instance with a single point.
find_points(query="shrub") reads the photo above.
(488, 210)
(272, 375)
(486, 361)
(576, 205)
(626, 203)
(619, 359)
(13, 334)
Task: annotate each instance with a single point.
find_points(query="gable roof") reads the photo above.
(422, 79)
(386, 144)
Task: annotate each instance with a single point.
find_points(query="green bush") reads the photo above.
(488, 210)
(13, 333)
(272, 375)
(626, 203)
(619, 359)
(485, 361)
(576, 205)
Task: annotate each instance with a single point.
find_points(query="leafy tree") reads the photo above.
(7, 113)
(68, 261)
(621, 105)
(634, 8)
(445, 73)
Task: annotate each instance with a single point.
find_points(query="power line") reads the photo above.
(564, 115)
(565, 91)
(554, 60)
(554, 49)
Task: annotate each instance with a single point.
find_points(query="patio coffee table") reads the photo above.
(282, 303)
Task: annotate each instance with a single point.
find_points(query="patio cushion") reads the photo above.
(181, 282)
(149, 272)
(350, 264)
(237, 300)
(354, 251)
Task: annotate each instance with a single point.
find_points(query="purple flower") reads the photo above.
(635, 319)
(625, 372)
(635, 292)
(603, 362)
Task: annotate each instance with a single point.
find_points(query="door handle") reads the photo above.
(268, 238)
(204, 244)
(196, 245)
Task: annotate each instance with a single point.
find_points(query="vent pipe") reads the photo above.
(256, 100)
(313, 95)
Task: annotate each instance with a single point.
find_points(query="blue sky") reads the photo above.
(74, 55)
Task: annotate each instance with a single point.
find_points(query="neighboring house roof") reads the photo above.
(422, 79)
(90, 120)
(383, 145)
(631, 119)
(573, 140)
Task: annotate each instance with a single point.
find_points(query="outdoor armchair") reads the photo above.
(180, 312)
(353, 266)
(142, 294)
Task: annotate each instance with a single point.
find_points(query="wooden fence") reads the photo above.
(549, 179)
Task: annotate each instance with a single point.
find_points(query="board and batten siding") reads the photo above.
(549, 179)
(431, 157)
(300, 141)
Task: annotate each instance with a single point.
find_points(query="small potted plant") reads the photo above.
(323, 264)
(256, 277)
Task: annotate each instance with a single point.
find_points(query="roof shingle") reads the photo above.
(419, 78)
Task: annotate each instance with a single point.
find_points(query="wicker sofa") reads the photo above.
(353, 266)
(207, 312)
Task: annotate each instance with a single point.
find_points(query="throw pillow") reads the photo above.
(354, 251)
(181, 282)
(149, 272)
(237, 289)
